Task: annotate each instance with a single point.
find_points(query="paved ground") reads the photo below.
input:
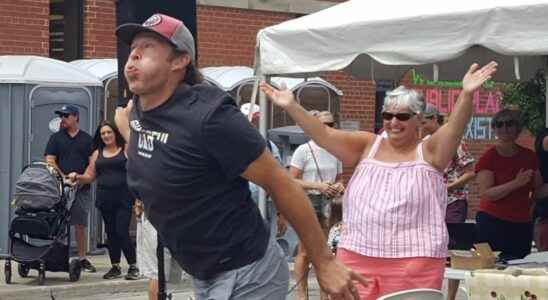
(92, 286)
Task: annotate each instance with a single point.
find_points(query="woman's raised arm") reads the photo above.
(345, 145)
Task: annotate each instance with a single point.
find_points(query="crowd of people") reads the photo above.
(194, 161)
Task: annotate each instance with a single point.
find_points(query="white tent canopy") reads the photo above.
(230, 77)
(103, 68)
(384, 41)
(440, 39)
(42, 70)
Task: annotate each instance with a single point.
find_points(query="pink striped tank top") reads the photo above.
(395, 209)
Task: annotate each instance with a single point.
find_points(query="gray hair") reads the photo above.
(402, 96)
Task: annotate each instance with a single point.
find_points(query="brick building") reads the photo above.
(226, 36)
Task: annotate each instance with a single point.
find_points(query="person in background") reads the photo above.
(277, 222)
(147, 259)
(509, 180)
(107, 166)
(540, 216)
(335, 224)
(319, 173)
(458, 174)
(69, 150)
(397, 181)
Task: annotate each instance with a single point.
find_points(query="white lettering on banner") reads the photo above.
(479, 128)
(147, 138)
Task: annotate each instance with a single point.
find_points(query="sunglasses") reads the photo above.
(507, 124)
(330, 124)
(63, 116)
(429, 118)
(399, 116)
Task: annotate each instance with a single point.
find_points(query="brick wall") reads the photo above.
(99, 26)
(226, 36)
(24, 27)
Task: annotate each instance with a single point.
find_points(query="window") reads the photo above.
(65, 29)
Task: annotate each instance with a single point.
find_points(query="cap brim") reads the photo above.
(127, 32)
(61, 112)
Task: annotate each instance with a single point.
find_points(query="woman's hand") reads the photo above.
(475, 78)
(338, 187)
(326, 189)
(72, 179)
(523, 177)
(283, 97)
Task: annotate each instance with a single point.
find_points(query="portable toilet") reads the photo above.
(312, 93)
(31, 89)
(106, 70)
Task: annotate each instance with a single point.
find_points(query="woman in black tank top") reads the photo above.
(108, 167)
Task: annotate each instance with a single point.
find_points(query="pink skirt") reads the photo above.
(390, 275)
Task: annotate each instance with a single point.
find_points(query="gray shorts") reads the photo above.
(80, 207)
(266, 278)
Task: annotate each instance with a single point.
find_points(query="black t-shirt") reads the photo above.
(185, 159)
(541, 207)
(72, 153)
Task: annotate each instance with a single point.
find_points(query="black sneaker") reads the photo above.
(87, 266)
(114, 272)
(132, 273)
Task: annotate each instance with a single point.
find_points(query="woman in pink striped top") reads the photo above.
(394, 231)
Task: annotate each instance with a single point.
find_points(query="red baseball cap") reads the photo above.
(172, 30)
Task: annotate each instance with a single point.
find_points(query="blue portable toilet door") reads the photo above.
(44, 101)
(43, 122)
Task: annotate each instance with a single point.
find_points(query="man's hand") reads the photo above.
(121, 118)
(281, 225)
(138, 208)
(337, 280)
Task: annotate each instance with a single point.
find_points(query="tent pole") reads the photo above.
(546, 91)
(262, 129)
(262, 118)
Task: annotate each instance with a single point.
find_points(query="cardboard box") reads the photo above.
(482, 258)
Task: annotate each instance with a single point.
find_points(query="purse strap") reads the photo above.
(315, 162)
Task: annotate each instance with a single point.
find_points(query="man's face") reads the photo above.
(429, 125)
(68, 121)
(149, 65)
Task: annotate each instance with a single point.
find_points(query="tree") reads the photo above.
(530, 97)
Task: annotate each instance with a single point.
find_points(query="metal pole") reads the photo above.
(262, 129)
(546, 91)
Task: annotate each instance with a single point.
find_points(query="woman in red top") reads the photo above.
(507, 175)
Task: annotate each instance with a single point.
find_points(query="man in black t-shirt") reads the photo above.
(191, 154)
(69, 150)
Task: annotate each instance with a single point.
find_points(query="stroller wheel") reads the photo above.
(7, 272)
(23, 270)
(42, 274)
(41, 277)
(75, 268)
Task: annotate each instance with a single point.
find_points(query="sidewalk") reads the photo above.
(92, 285)
(58, 285)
